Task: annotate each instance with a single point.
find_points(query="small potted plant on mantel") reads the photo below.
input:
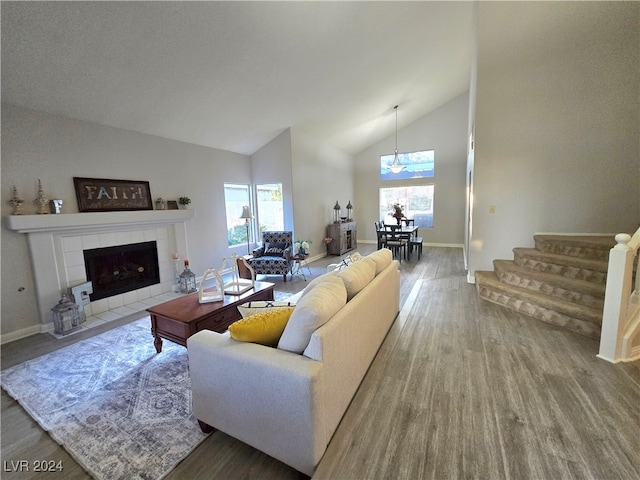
(184, 202)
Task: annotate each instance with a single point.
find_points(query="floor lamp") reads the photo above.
(246, 214)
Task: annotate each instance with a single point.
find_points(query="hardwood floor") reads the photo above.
(461, 388)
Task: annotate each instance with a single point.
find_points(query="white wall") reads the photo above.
(322, 174)
(55, 149)
(272, 164)
(314, 176)
(471, 139)
(445, 130)
(557, 126)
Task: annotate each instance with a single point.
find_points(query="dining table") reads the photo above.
(406, 232)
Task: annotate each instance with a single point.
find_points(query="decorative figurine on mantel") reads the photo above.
(56, 206)
(16, 202)
(41, 200)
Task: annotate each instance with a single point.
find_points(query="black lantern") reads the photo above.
(187, 279)
(66, 316)
(349, 211)
(337, 212)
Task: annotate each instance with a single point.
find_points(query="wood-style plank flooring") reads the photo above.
(461, 388)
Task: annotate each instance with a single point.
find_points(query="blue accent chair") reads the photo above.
(274, 256)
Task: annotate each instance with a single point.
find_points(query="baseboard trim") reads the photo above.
(446, 245)
(315, 257)
(607, 359)
(581, 234)
(424, 244)
(23, 333)
(634, 354)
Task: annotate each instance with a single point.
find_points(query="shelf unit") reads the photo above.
(344, 237)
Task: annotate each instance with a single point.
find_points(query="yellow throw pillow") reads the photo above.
(264, 328)
(261, 306)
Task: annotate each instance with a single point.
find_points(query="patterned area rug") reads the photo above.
(119, 408)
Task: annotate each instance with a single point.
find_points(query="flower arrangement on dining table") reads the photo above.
(301, 247)
(397, 212)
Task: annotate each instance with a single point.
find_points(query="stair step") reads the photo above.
(570, 315)
(564, 265)
(569, 289)
(595, 247)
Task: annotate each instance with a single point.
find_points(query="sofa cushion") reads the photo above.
(382, 257)
(313, 283)
(312, 311)
(260, 306)
(357, 276)
(264, 328)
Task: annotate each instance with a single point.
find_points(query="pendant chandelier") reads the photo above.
(395, 167)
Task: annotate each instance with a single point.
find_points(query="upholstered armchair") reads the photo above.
(274, 256)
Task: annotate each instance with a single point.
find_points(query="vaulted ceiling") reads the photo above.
(234, 75)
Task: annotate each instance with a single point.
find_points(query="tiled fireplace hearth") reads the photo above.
(57, 243)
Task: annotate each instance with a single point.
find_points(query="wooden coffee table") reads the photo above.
(178, 319)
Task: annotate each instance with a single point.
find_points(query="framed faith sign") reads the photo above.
(104, 195)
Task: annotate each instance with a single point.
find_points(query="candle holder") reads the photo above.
(337, 213)
(65, 315)
(16, 202)
(176, 271)
(187, 279)
(41, 200)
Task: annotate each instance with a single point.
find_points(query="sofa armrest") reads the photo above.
(258, 252)
(270, 399)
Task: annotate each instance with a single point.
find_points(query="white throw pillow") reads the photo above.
(312, 311)
(382, 257)
(357, 276)
(312, 284)
(259, 306)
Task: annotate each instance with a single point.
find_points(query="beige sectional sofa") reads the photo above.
(288, 401)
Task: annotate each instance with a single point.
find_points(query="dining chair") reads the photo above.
(409, 222)
(381, 233)
(416, 242)
(396, 242)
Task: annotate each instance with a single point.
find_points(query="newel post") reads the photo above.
(616, 300)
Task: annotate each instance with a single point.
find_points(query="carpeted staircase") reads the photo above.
(560, 281)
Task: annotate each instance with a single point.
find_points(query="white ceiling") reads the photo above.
(234, 75)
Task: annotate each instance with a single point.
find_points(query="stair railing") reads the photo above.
(620, 338)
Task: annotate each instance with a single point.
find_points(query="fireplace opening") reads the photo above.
(120, 269)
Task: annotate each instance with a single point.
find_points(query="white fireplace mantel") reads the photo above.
(46, 236)
(94, 220)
